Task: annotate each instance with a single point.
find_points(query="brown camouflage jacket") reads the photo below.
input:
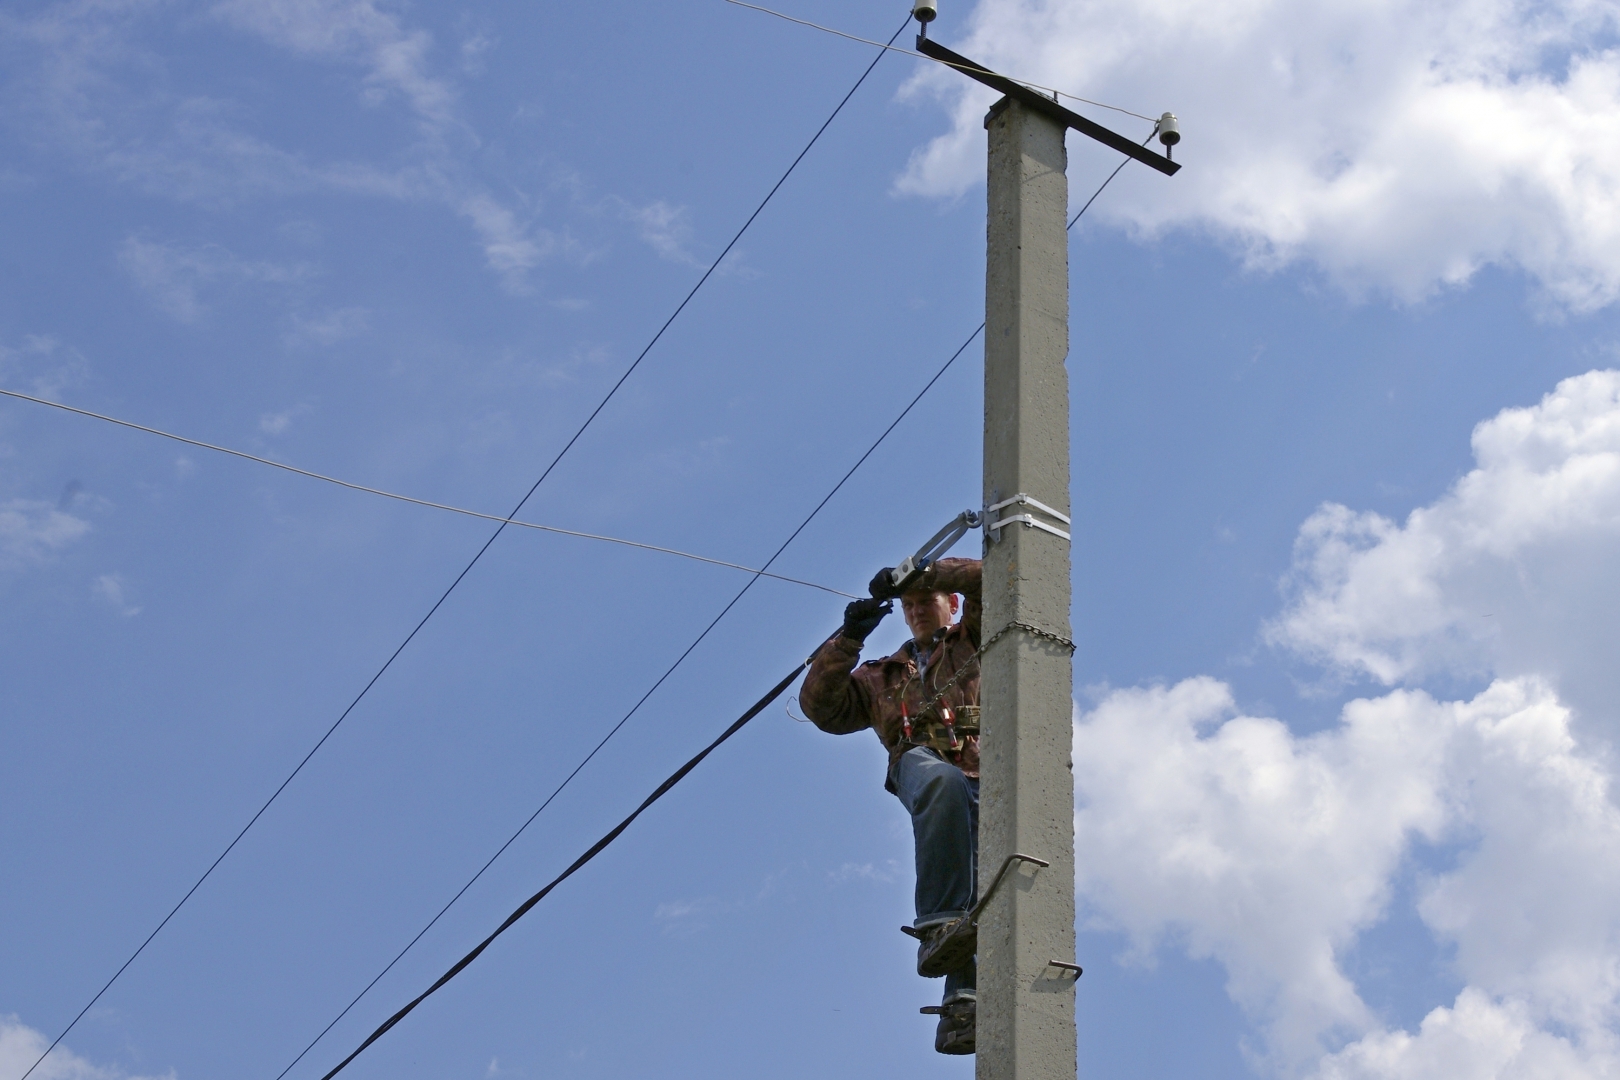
(841, 698)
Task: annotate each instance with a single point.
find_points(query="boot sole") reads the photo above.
(955, 951)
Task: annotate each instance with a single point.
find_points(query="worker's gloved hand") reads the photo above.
(862, 617)
(882, 586)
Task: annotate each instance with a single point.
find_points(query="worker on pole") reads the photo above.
(923, 703)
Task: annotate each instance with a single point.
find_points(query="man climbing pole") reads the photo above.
(923, 703)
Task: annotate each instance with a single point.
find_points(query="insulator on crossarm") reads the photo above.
(1169, 134)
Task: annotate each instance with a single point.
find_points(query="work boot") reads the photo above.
(956, 1033)
(945, 946)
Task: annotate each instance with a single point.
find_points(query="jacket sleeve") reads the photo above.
(963, 576)
(830, 698)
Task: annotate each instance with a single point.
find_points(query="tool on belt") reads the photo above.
(941, 730)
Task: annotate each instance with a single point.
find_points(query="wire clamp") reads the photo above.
(992, 527)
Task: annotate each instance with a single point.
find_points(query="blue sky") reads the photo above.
(1346, 478)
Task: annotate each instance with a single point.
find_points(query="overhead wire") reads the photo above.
(667, 673)
(422, 502)
(597, 848)
(569, 445)
(947, 63)
(679, 660)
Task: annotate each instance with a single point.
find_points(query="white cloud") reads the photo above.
(21, 1046)
(512, 247)
(173, 276)
(888, 872)
(111, 588)
(82, 79)
(666, 229)
(1265, 852)
(1233, 838)
(1513, 571)
(338, 324)
(1399, 145)
(1270, 853)
(43, 364)
(395, 58)
(32, 531)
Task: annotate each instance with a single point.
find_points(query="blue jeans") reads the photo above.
(944, 809)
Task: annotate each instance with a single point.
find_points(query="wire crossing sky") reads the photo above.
(419, 502)
(503, 522)
(912, 404)
(1344, 529)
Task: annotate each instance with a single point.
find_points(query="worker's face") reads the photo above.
(927, 612)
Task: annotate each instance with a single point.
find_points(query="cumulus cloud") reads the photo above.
(1513, 571)
(21, 1046)
(1271, 853)
(1399, 146)
(1234, 838)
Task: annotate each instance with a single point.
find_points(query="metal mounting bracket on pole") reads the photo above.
(1023, 94)
(937, 546)
(996, 882)
(992, 527)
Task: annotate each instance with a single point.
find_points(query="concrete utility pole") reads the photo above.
(1026, 1006)
(1027, 968)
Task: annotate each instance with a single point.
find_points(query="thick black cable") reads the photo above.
(474, 562)
(661, 679)
(595, 849)
(511, 839)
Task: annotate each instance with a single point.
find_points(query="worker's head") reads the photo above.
(927, 610)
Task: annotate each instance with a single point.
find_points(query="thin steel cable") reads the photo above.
(947, 63)
(662, 678)
(810, 517)
(421, 502)
(566, 780)
(474, 562)
(689, 649)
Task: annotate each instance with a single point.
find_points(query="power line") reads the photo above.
(475, 559)
(595, 850)
(623, 720)
(910, 52)
(421, 502)
(671, 670)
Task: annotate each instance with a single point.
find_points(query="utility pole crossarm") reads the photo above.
(1024, 95)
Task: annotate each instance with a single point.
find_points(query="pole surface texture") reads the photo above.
(1026, 1007)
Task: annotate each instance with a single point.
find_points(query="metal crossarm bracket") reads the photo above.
(992, 527)
(1024, 95)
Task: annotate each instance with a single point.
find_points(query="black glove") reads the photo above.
(882, 586)
(862, 617)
